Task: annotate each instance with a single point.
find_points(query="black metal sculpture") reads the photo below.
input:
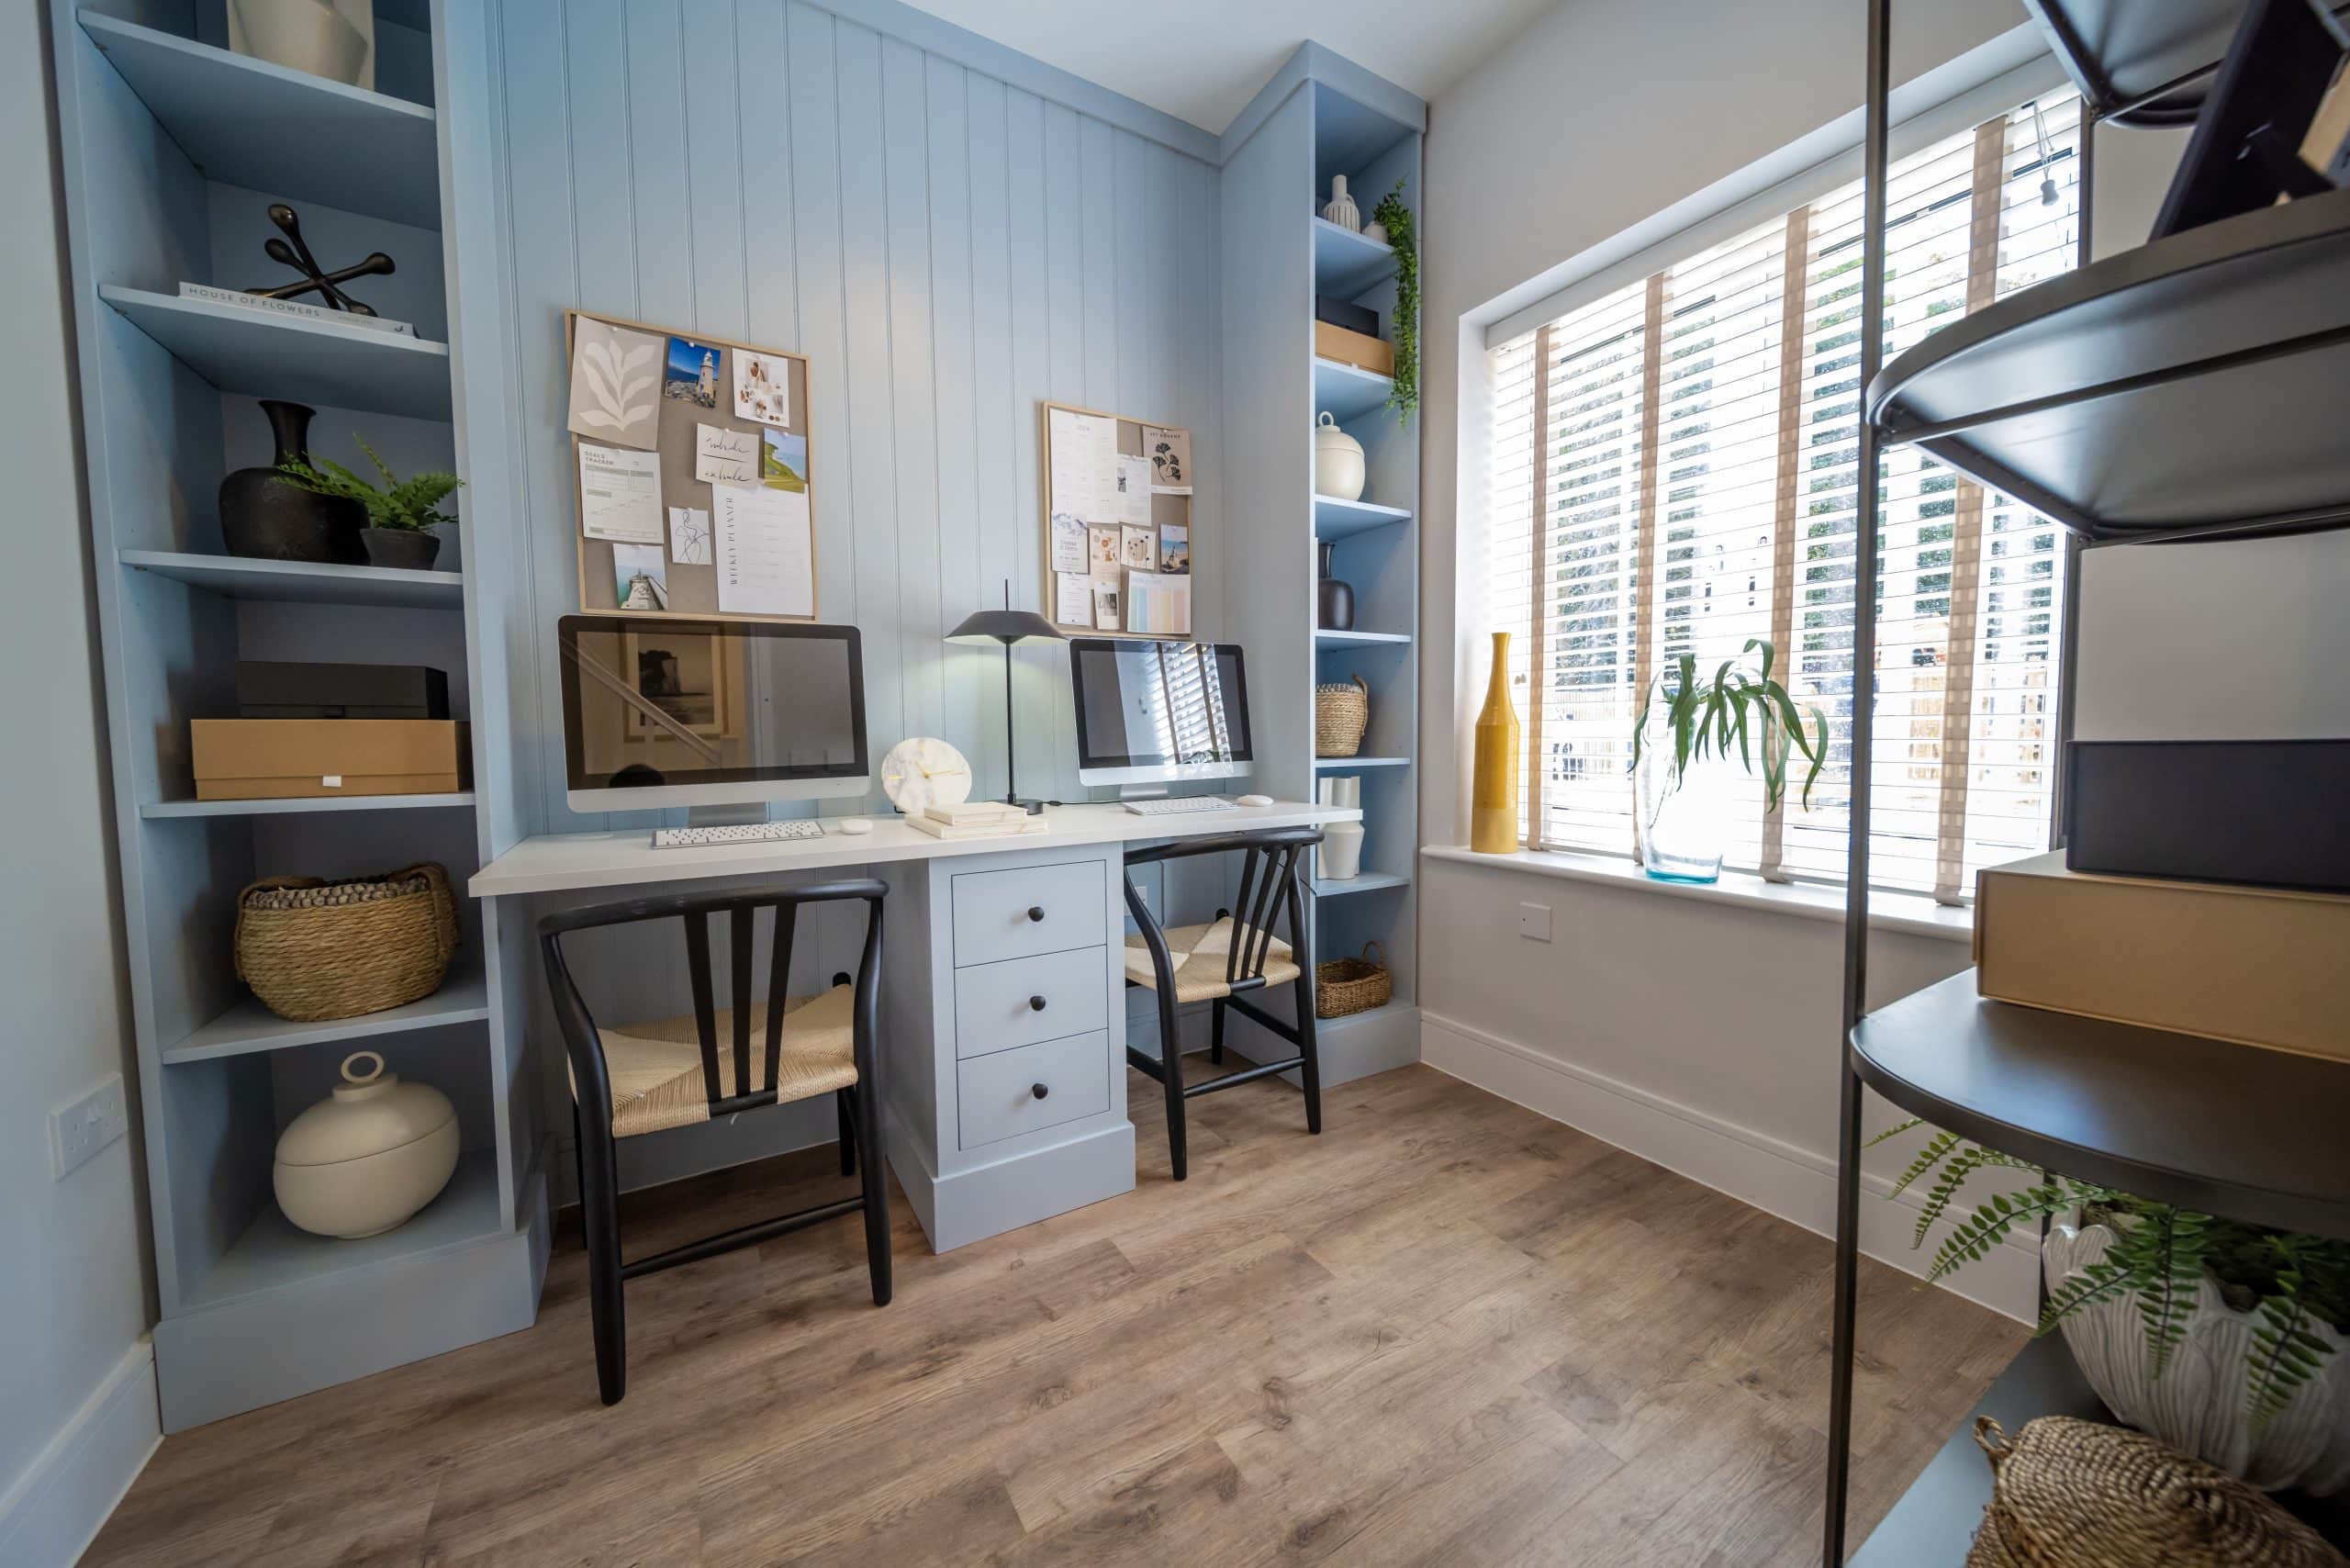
(314, 278)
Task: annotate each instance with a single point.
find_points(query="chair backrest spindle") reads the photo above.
(787, 918)
(705, 1004)
(739, 961)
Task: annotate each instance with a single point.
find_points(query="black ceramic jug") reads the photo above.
(263, 516)
(1333, 609)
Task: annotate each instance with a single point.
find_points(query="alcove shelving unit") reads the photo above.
(1319, 118)
(174, 147)
(2174, 392)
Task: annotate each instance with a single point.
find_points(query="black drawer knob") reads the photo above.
(1038, 1090)
(1036, 1004)
(1035, 912)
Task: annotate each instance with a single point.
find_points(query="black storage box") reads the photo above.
(2271, 813)
(1343, 313)
(271, 691)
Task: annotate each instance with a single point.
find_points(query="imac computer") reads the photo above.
(1152, 713)
(721, 716)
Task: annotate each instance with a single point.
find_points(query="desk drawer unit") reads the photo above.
(1032, 1087)
(1019, 1001)
(1028, 910)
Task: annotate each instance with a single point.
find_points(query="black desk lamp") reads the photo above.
(1008, 626)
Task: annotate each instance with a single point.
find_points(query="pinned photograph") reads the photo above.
(1101, 549)
(615, 384)
(640, 577)
(692, 373)
(1170, 451)
(1105, 607)
(761, 388)
(783, 460)
(1174, 548)
(1137, 549)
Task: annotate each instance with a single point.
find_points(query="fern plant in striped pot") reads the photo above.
(2223, 1340)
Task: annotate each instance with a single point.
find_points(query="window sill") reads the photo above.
(1911, 913)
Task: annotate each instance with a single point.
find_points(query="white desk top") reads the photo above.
(565, 862)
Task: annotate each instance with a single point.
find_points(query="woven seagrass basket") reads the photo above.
(1344, 986)
(2069, 1492)
(313, 951)
(1341, 713)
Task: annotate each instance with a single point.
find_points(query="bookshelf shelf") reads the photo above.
(321, 362)
(1348, 393)
(464, 998)
(303, 582)
(162, 810)
(1335, 519)
(1345, 263)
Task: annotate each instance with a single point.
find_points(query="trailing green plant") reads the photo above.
(2160, 1257)
(1391, 212)
(410, 504)
(1736, 705)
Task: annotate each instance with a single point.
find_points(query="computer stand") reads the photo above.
(733, 813)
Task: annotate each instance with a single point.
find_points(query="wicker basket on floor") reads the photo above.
(2079, 1491)
(314, 951)
(1345, 986)
(1341, 713)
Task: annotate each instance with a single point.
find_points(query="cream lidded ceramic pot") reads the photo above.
(1338, 461)
(363, 1160)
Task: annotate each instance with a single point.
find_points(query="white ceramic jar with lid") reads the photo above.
(1338, 461)
(367, 1157)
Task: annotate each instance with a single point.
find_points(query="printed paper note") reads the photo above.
(620, 494)
(615, 383)
(1084, 475)
(1134, 489)
(690, 536)
(1170, 451)
(1069, 544)
(766, 563)
(723, 456)
(1102, 551)
(1074, 599)
(1139, 548)
(1158, 604)
(761, 388)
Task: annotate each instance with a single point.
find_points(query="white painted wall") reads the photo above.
(76, 1382)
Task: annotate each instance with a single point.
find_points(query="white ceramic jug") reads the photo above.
(1341, 209)
(1338, 461)
(1341, 852)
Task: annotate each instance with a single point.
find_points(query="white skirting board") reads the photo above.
(1771, 1174)
(51, 1514)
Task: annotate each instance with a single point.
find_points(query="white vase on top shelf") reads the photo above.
(1341, 209)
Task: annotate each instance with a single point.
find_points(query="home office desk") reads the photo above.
(1003, 1027)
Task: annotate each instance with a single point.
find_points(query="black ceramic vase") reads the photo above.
(263, 516)
(404, 547)
(1334, 608)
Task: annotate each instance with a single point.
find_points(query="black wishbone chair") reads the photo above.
(1222, 961)
(674, 1072)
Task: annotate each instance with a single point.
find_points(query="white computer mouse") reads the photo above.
(1254, 801)
(854, 825)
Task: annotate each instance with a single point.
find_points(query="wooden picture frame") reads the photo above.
(691, 588)
(1167, 509)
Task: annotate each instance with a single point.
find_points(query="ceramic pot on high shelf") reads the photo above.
(368, 1156)
(1333, 602)
(1338, 461)
(263, 516)
(1492, 814)
(1341, 209)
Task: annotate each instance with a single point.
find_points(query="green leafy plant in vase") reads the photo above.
(2222, 1338)
(1403, 238)
(401, 513)
(1684, 817)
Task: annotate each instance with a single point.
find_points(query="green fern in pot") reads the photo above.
(2241, 1326)
(401, 513)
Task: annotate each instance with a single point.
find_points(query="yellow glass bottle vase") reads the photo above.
(1493, 816)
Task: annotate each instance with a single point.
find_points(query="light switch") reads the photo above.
(1534, 921)
(79, 1130)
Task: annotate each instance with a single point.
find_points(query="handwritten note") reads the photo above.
(765, 557)
(620, 494)
(723, 456)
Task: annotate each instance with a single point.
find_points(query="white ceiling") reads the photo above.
(1201, 61)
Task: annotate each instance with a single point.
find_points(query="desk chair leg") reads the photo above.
(1216, 1030)
(867, 1108)
(847, 1120)
(1309, 1070)
(1171, 1075)
(599, 1212)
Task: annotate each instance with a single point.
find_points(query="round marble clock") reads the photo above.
(921, 771)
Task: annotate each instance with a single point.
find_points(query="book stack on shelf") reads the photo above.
(976, 819)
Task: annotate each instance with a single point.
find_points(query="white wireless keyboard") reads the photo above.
(737, 833)
(1179, 805)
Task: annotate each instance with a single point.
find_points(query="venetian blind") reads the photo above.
(1674, 469)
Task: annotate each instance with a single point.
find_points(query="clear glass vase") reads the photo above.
(1684, 818)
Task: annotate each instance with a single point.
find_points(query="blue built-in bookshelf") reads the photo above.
(174, 148)
(1322, 116)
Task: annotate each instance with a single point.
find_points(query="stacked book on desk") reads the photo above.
(976, 819)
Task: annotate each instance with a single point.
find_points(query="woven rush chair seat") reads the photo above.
(1202, 954)
(656, 1066)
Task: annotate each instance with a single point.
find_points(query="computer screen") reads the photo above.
(671, 712)
(1159, 710)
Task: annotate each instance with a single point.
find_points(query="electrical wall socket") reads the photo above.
(77, 1132)
(1534, 921)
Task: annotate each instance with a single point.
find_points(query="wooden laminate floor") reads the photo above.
(1445, 1331)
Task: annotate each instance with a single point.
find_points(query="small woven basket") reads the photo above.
(1341, 713)
(313, 951)
(2071, 1491)
(1344, 986)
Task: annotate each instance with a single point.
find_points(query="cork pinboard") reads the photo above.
(1167, 582)
(772, 575)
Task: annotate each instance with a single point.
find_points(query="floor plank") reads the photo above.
(1445, 1331)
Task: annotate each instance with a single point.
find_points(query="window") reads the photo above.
(1675, 469)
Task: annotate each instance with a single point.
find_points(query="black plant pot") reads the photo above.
(400, 547)
(260, 515)
(1333, 609)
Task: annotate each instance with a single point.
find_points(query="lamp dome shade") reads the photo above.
(1005, 626)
